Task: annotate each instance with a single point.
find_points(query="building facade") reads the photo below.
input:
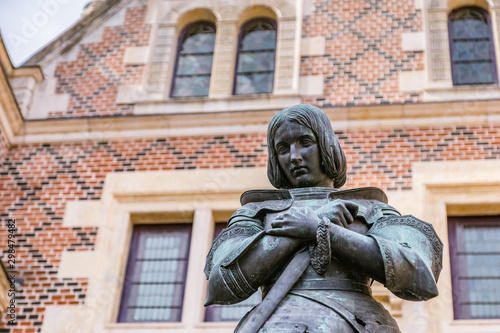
(127, 141)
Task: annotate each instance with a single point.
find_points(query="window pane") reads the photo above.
(259, 40)
(200, 43)
(194, 61)
(472, 54)
(475, 261)
(471, 51)
(254, 83)
(194, 64)
(256, 57)
(232, 312)
(474, 73)
(256, 62)
(191, 86)
(156, 271)
(465, 29)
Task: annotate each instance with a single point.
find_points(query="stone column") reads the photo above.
(221, 81)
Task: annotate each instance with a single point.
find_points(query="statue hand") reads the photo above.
(338, 211)
(296, 222)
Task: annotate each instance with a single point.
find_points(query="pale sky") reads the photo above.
(28, 25)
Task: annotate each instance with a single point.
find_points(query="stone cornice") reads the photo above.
(11, 120)
(235, 122)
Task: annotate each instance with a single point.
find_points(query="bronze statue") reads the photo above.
(313, 249)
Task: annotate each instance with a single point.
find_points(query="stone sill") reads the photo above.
(222, 104)
(207, 327)
(474, 325)
(462, 93)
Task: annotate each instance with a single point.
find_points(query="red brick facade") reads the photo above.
(363, 51)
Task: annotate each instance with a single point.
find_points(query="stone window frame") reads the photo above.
(242, 31)
(152, 96)
(439, 85)
(180, 42)
(128, 298)
(486, 15)
(435, 196)
(458, 269)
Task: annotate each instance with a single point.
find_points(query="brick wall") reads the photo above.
(363, 50)
(92, 79)
(38, 180)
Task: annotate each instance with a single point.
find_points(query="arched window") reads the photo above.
(194, 60)
(471, 46)
(255, 59)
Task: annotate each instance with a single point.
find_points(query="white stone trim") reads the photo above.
(222, 118)
(414, 81)
(136, 55)
(313, 46)
(312, 85)
(76, 264)
(413, 41)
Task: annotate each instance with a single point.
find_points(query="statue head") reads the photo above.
(332, 158)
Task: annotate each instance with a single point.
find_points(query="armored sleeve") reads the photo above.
(226, 283)
(412, 255)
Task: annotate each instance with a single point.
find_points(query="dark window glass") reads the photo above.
(194, 61)
(232, 312)
(156, 272)
(471, 47)
(475, 266)
(256, 56)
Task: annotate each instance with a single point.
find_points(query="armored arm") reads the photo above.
(242, 258)
(401, 252)
(412, 256)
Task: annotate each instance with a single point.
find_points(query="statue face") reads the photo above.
(299, 156)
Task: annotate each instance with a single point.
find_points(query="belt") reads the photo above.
(330, 284)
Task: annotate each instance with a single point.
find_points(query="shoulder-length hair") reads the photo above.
(333, 160)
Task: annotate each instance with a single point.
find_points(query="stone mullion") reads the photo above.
(285, 49)
(221, 81)
(440, 62)
(495, 29)
(161, 58)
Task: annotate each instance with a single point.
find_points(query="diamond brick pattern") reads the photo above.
(363, 51)
(92, 79)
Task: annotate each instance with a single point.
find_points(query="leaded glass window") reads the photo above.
(475, 266)
(471, 47)
(156, 272)
(256, 57)
(194, 61)
(232, 312)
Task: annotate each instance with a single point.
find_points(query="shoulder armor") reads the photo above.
(364, 193)
(264, 195)
(256, 201)
(388, 228)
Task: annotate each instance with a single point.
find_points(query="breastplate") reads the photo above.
(315, 198)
